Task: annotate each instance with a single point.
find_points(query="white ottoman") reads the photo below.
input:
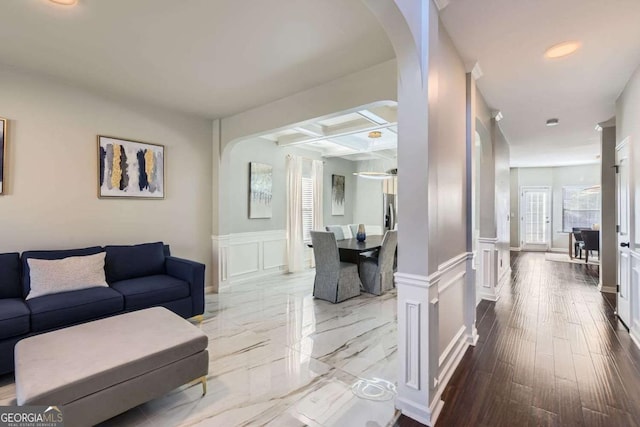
(102, 368)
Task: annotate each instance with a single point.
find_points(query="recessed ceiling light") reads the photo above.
(65, 2)
(561, 50)
(553, 122)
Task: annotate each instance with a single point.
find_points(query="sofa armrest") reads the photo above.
(191, 272)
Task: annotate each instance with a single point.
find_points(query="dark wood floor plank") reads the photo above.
(569, 404)
(551, 352)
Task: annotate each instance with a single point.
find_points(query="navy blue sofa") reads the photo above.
(139, 276)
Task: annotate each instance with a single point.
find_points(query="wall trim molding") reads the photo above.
(247, 256)
(454, 262)
(607, 289)
(416, 280)
(515, 249)
(426, 371)
(426, 415)
(488, 240)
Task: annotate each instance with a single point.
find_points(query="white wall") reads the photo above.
(368, 208)
(51, 171)
(450, 152)
(628, 126)
(263, 151)
(556, 178)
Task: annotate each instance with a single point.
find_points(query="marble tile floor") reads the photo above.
(278, 357)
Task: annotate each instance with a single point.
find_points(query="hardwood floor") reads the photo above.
(551, 352)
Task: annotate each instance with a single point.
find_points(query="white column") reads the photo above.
(412, 26)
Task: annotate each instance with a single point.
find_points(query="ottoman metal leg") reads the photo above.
(203, 380)
(197, 319)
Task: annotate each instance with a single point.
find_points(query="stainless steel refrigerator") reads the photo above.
(390, 218)
(390, 202)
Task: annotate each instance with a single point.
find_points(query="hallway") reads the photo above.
(551, 352)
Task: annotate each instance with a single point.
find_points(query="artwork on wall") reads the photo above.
(130, 169)
(337, 194)
(260, 190)
(3, 133)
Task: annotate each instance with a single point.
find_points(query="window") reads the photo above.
(580, 207)
(307, 208)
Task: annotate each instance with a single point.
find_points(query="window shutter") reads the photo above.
(307, 208)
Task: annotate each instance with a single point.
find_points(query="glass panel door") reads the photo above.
(535, 208)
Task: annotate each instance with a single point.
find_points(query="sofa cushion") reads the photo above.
(68, 308)
(10, 286)
(52, 276)
(26, 282)
(148, 291)
(14, 318)
(130, 262)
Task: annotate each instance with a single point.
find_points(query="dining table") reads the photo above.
(350, 249)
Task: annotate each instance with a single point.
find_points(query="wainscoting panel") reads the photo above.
(443, 305)
(453, 332)
(488, 285)
(274, 254)
(244, 256)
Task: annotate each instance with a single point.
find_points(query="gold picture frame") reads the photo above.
(129, 169)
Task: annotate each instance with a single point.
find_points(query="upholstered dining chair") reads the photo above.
(335, 281)
(590, 242)
(376, 272)
(337, 230)
(577, 244)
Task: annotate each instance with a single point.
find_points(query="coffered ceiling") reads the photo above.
(368, 134)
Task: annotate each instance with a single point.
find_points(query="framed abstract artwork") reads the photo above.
(3, 142)
(130, 169)
(260, 190)
(337, 194)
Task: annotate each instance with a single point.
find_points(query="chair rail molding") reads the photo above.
(487, 283)
(433, 318)
(245, 256)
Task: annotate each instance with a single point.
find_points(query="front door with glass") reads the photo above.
(535, 218)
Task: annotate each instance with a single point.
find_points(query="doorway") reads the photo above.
(535, 218)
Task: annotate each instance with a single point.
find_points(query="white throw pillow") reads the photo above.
(67, 274)
(346, 230)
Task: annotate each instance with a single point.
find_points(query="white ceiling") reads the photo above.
(346, 135)
(205, 57)
(509, 37)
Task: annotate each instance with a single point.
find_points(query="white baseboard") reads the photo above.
(608, 289)
(635, 337)
(515, 249)
(426, 415)
(560, 250)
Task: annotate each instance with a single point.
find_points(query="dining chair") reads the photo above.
(577, 244)
(337, 230)
(335, 281)
(590, 242)
(376, 272)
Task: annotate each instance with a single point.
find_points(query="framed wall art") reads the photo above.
(337, 194)
(260, 190)
(130, 169)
